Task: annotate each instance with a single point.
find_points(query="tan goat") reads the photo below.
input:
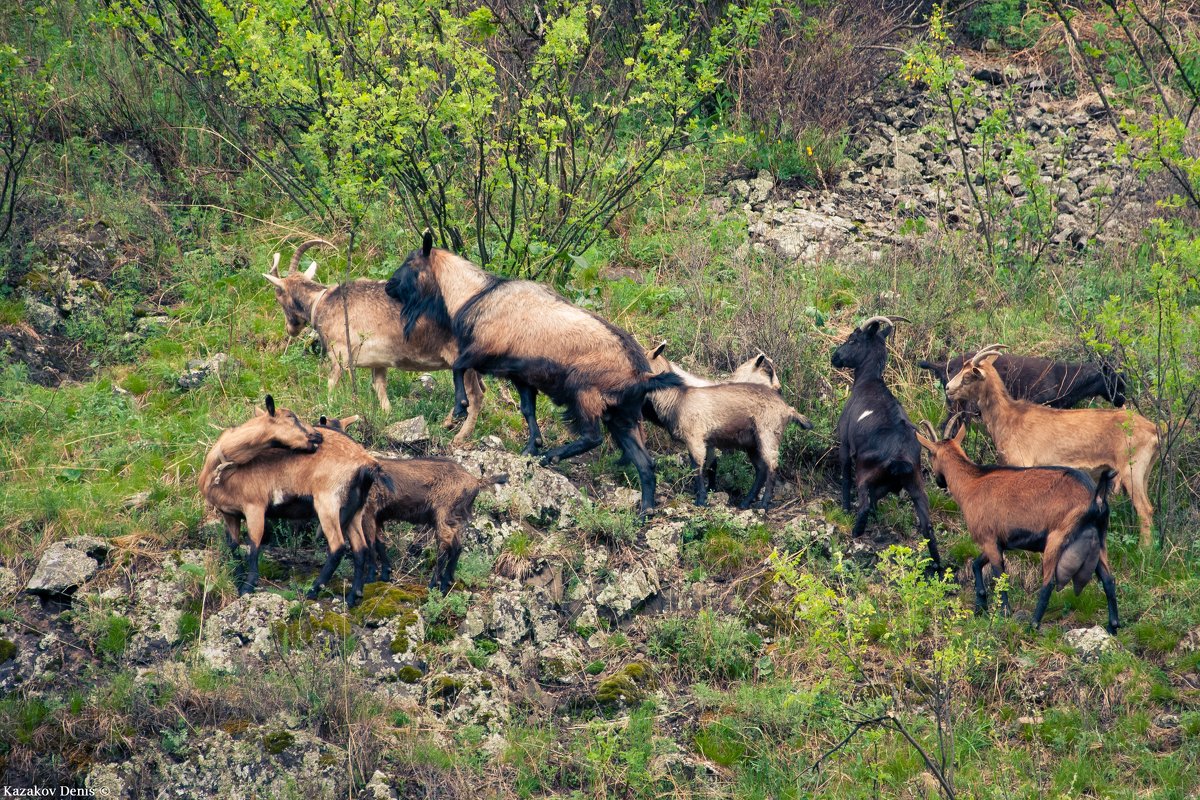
(733, 416)
(295, 473)
(1089, 439)
(376, 328)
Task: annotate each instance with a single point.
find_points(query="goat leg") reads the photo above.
(1042, 601)
(528, 398)
(460, 393)
(768, 490)
(866, 505)
(845, 459)
(701, 483)
(920, 500)
(1110, 594)
(622, 429)
(332, 559)
(980, 586)
(385, 564)
(760, 477)
(356, 586)
(590, 440)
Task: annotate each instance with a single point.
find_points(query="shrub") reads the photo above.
(707, 647)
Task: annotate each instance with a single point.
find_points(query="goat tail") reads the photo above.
(800, 419)
(1104, 487)
(650, 383)
(494, 480)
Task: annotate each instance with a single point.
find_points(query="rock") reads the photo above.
(663, 541)
(378, 788)
(242, 631)
(199, 370)
(739, 189)
(260, 761)
(560, 663)
(104, 780)
(761, 187)
(719, 206)
(66, 566)
(43, 318)
(1090, 642)
(802, 233)
(628, 591)
(136, 502)
(532, 493)
(410, 431)
(428, 383)
(9, 585)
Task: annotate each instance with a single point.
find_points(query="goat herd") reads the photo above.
(439, 311)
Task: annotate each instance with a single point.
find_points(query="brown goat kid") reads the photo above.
(426, 491)
(733, 416)
(1056, 511)
(375, 329)
(1090, 439)
(328, 477)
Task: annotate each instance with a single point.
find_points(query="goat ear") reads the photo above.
(324, 420)
(275, 279)
(928, 445)
(270, 402)
(658, 349)
(275, 265)
(960, 434)
(311, 272)
(348, 421)
(762, 359)
(427, 243)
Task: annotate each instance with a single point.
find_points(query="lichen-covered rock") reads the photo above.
(662, 540)
(198, 371)
(533, 492)
(241, 633)
(468, 698)
(627, 591)
(409, 431)
(1090, 642)
(560, 662)
(66, 566)
(158, 606)
(258, 761)
(378, 788)
(9, 584)
(508, 620)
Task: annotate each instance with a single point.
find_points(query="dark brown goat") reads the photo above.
(523, 331)
(1057, 384)
(328, 477)
(876, 442)
(1056, 511)
(426, 491)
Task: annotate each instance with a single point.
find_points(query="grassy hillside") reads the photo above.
(766, 656)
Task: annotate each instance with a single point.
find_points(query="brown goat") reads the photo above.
(375, 328)
(523, 331)
(426, 491)
(1090, 439)
(734, 416)
(328, 477)
(1057, 511)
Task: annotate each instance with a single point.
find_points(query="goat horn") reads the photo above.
(928, 428)
(888, 320)
(295, 262)
(894, 319)
(991, 349)
(952, 424)
(275, 265)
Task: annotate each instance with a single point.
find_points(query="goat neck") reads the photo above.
(871, 367)
(457, 279)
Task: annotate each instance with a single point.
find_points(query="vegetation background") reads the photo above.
(157, 152)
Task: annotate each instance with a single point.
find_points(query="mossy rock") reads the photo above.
(8, 650)
(383, 602)
(275, 742)
(627, 686)
(236, 726)
(445, 687)
(409, 674)
(312, 625)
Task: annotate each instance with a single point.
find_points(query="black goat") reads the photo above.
(1057, 384)
(876, 439)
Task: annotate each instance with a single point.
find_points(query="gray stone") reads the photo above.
(1090, 642)
(532, 493)
(410, 431)
(199, 370)
(241, 633)
(627, 591)
(378, 788)
(9, 584)
(66, 566)
(43, 318)
(905, 165)
(761, 187)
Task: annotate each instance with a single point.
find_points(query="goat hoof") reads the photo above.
(311, 594)
(549, 460)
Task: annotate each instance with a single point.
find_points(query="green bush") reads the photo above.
(708, 647)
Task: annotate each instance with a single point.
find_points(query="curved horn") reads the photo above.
(865, 323)
(952, 425)
(991, 349)
(927, 426)
(275, 265)
(894, 319)
(295, 262)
